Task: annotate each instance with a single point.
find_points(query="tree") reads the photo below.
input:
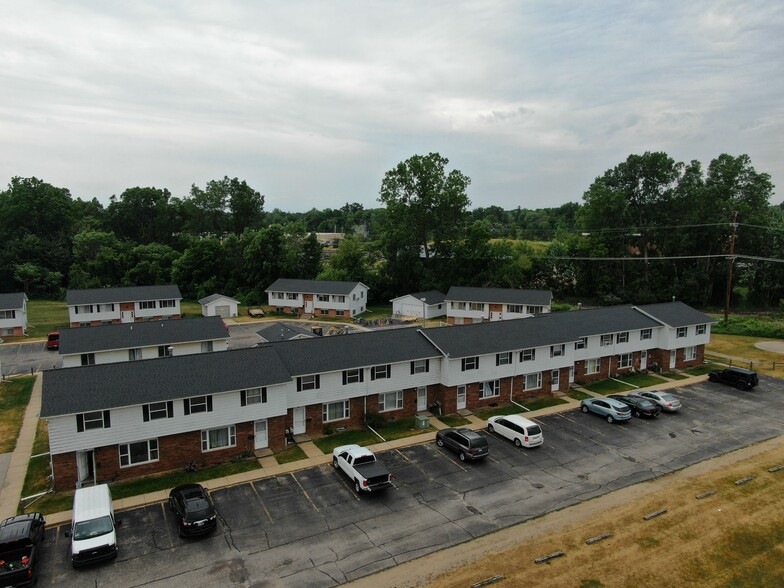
(227, 205)
(150, 264)
(350, 263)
(142, 215)
(99, 260)
(200, 270)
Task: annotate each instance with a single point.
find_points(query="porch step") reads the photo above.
(265, 452)
(304, 438)
(464, 412)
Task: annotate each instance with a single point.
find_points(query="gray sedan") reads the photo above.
(612, 410)
(667, 401)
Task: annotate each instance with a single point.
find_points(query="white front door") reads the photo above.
(644, 359)
(299, 421)
(308, 306)
(126, 316)
(260, 431)
(85, 469)
(571, 374)
(421, 398)
(673, 354)
(555, 379)
(461, 397)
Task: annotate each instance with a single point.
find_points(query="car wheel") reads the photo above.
(610, 419)
(357, 487)
(713, 378)
(439, 441)
(335, 462)
(518, 443)
(462, 456)
(584, 408)
(490, 428)
(637, 413)
(741, 386)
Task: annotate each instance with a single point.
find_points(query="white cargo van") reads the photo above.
(92, 533)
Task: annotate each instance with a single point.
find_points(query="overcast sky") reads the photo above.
(312, 102)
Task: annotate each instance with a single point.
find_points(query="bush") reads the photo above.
(375, 420)
(560, 307)
(765, 327)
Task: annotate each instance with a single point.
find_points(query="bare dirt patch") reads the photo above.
(734, 537)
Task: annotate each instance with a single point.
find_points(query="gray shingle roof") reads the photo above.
(111, 385)
(676, 314)
(283, 331)
(500, 295)
(214, 297)
(312, 286)
(127, 336)
(12, 301)
(125, 294)
(431, 296)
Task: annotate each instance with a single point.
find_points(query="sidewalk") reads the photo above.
(271, 468)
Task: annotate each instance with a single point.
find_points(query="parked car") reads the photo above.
(361, 467)
(468, 444)
(53, 341)
(93, 531)
(611, 409)
(194, 510)
(20, 539)
(641, 407)
(741, 378)
(665, 400)
(520, 430)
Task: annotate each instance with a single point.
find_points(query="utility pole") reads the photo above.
(730, 261)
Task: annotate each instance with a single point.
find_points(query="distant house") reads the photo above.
(219, 305)
(318, 297)
(285, 332)
(13, 314)
(433, 304)
(107, 306)
(136, 341)
(466, 305)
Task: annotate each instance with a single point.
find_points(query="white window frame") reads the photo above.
(322, 297)
(7, 314)
(95, 422)
(84, 309)
(606, 340)
(625, 360)
(701, 329)
(681, 332)
(470, 363)
(88, 358)
(147, 305)
(135, 354)
(158, 410)
(308, 382)
(168, 303)
(353, 376)
(515, 308)
(105, 307)
(646, 334)
(689, 353)
(504, 358)
(581, 343)
(593, 366)
(390, 401)
(528, 354)
(206, 347)
(622, 337)
(124, 450)
(207, 442)
(381, 372)
(490, 389)
(254, 396)
(476, 306)
(346, 411)
(533, 381)
(557, 350)
(165, 351)
(420, 366)
(200, 406)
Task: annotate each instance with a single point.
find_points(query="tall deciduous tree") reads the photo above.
(142, 215)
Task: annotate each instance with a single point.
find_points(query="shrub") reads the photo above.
(375, 420)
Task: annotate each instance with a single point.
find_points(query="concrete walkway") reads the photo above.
(17, 468)
(270, 467)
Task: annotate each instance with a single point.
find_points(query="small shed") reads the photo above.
(431, 303)
(219, 305)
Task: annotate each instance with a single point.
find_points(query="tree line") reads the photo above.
(647, 230)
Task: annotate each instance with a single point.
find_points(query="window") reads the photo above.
(197, 404)
(606, 340)
(503, 358)
(308, 383)
(147, 304)
(353, 376)
(339, 298)
(625, 360)
(135, 354)
(253, 396)
(105, 307)
(340, 313)
(7, 314)
(336, 411)
(165, 351)
(516, 308)
(476, 306)
(533, 381)
(528, 355)
(353, 297)
(689, 353)
(490, 389)
(701, 329)
(557, 350)
(218, 438)
(581, 343)
(380, 372)
(390, 401)
(104, 323)
(535, 309)
(88, 358)
(292, 296)
(622, 337)
(83, 308)
(93, 420)
(420, 366)
(592, 366)
(167, 303)
(470, 363)
(85, 325)
(646, 334)
(681, 332)
(458, 305)
(157, 410)
(322, 297)
(139, 452)
(206, 346)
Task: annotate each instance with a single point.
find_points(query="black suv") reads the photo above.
(467, 443)
(194, 510)
(20, 537)
(734, 376)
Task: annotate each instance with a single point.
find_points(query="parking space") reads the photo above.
(20, 358)
(310, 528)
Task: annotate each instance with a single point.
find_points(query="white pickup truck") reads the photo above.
(360, 465)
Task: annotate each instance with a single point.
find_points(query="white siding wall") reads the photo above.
(151, 352)
(157, 311)
(20, 319)
(668, 339)
(87, 317)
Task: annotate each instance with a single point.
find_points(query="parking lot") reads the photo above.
(309, 528)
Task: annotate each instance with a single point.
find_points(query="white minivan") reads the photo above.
(524, 432)
(93, 536)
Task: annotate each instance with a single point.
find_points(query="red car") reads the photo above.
(53, 340)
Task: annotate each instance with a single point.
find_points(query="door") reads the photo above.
(571, 374)
(672, 358)
(85, 468)
(308, 307)
(421, 398)
(461, 397)
(299, 421)
(222, 311)
(260, 431)
(127, 312)
(644, 359)
(555, 379)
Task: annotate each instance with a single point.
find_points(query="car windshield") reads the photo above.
(93, 528)
(535, 430)
(643, 403)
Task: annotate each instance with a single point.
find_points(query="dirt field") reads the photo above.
(733, 538)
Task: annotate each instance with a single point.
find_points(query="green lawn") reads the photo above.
(454, 420)
(354, 436)
(699, 370)
(577, 395)
(293, 453)
(402, 428)
(14, 397)
(609, 387)
(44, 316)
(677, 376)
(486, 413)
(641, 380)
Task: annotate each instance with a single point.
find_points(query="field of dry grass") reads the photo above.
(744, 347)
